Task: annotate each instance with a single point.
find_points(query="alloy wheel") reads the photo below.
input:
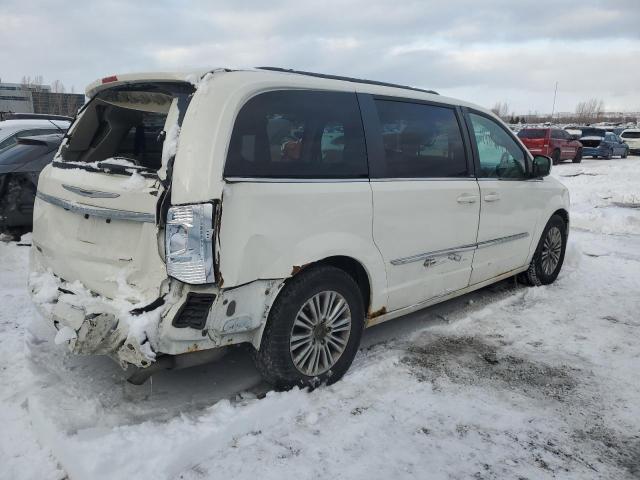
(551, 250)
(320, 333)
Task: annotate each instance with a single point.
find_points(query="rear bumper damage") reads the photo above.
(142, 335)
(17, 194)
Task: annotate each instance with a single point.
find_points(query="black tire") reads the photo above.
(608, 155)
(536, 274)
(555, 157)
(578, 157)
(274, 358)
(624, 155)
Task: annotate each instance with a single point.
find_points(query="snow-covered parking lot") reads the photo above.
(507, 382)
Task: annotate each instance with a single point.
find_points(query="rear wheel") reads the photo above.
(555, 156)
(608, 155)
(578, 157)
(549, 255)
(624, 154)
(313, 331)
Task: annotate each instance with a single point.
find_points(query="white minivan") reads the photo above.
(286, 210)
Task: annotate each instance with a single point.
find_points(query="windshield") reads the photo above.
(593, 132)
(125, 128)
(531, 133)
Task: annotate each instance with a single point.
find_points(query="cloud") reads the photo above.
(488, 51)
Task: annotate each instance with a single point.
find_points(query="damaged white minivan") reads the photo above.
(280, 209)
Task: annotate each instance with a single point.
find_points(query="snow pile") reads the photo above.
(605, 194)
(506, 382)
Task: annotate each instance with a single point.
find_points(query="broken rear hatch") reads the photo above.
(96, 207)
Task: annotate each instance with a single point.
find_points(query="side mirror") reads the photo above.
(541, 166)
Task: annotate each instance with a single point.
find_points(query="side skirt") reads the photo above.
(441, 298)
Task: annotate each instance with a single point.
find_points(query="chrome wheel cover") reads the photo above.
(551, 250)
(320, 333)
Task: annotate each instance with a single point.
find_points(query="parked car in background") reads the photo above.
(284, 210)
(20, 166)
(631, 136)
(598, 142)
(553, 142)
(11, 130)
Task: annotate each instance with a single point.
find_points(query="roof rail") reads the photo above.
(35, 116)
(346, 79)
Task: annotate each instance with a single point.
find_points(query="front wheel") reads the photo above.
(549, 255)
(624, 154)
(313, 331)
(608, 155)
(555, 157)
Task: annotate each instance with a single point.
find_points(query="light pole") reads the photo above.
(553, 109)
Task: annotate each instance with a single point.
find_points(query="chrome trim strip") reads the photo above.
(498, 241)
(294, 180)
(463, 248)
(90, 193)
(424, 179)
(434, 254)
(97, 211)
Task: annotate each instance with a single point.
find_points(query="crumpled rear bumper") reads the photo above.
(92, 324)
(135, 334)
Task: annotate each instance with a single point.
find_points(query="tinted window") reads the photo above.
(500, 155)
(420, 141)
(631, 135)
(558, 134)
(21, 153)
(532, 133)
(298, 134)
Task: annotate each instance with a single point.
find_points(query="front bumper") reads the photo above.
(134, 334)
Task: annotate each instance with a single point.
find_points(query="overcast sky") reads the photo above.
(483, 51)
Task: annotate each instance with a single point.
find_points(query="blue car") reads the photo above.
(597, 142)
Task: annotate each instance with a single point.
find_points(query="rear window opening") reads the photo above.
(631, 135)
(532, 133)
(122, 130)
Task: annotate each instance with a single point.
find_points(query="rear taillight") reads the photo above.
(189, 243)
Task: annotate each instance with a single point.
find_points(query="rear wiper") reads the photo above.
(118, 168)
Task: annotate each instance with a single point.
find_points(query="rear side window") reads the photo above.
(558, 134)
(532, 133)
(420, 141)
(298, 134)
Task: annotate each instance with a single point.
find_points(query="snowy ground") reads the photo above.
(507, 382)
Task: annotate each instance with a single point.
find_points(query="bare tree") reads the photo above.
(590, 110)
(501, 109)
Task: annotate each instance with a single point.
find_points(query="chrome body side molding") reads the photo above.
(429, 258)
(97, 211)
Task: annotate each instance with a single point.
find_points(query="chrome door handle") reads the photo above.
(467, 199)
(492, 197)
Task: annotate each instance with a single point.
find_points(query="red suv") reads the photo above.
(553, 142)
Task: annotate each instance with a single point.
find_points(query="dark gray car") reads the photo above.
(20, 166)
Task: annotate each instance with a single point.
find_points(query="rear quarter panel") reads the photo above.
(271, 230)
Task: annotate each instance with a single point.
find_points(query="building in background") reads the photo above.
(35, 98)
